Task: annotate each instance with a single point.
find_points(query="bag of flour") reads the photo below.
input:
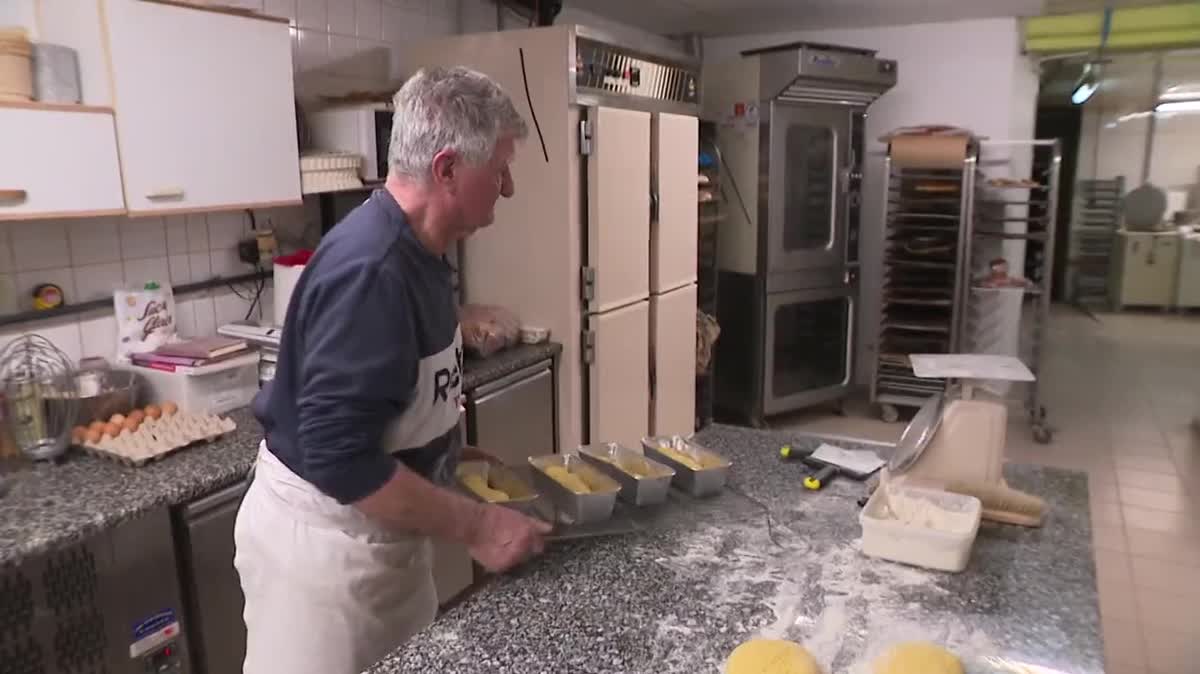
(145, 318)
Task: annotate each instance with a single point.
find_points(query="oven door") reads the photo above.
(807, 179)
(809, 347)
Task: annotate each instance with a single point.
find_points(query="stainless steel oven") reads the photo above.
(788, 255)
(809, 346)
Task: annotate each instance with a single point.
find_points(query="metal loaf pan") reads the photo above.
(576, 508)
(636, 489)
(704, 482)
(521, 495)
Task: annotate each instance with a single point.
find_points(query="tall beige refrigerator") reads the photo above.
(599, 242)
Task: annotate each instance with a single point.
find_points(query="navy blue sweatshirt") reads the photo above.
(370, 361)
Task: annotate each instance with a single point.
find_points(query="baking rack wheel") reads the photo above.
(1042, 434)
(889, 413)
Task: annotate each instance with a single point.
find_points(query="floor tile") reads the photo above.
(1146, 464)
(1166, 576)
(1117, 600)
(1106, 514)
(1163, 547)
(1106, 537)
(1159, 520)
(1146, 480)
(1171, 651)
(1103, 492)
(1155, 500)
(1123, 643)
(1172, 610)
(1139, 450)
(1113, 567)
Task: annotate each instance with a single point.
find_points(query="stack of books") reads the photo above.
(192, 353)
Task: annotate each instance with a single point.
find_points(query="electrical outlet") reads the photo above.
(248, 251)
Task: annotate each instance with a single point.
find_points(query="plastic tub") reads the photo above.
(946, 548)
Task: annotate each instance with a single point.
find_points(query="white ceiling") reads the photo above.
(732, 17)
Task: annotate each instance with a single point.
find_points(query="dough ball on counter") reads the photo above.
(566, 478)
(771, 656)
(917, 657)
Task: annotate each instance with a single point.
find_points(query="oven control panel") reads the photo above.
(609, 69)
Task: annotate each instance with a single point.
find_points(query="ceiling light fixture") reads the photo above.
(1087, 85)
(1178, 106)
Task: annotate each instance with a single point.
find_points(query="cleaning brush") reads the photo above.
(1002, 503)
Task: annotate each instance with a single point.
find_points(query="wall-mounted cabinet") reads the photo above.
(205, 108)
(58, 163)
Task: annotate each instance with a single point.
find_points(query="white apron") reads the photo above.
(327, 590)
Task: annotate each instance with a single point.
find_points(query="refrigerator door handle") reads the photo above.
(653, 206)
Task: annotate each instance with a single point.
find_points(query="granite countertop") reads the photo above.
(701, 577)
(51, 506)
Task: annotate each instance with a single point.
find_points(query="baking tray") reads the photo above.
(703, 482)
(521, 494)
(570, 506)
(647, 489)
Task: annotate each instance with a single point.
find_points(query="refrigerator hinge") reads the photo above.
(587, 284)
(585, 138)
(587, 346)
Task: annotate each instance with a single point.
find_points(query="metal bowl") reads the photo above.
(103, 393)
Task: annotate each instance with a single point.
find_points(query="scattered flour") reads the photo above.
(922, 512)
(860, 608)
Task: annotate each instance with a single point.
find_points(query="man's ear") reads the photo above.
(445, 163)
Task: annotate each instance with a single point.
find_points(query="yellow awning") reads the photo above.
(1133, 29)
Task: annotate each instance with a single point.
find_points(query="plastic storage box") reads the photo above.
(208, 389)
(946, 549)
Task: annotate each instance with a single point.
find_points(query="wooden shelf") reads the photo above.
(57, 107)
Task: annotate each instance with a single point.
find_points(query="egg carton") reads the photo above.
(157, 438)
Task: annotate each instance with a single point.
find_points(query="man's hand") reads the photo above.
(505, 538)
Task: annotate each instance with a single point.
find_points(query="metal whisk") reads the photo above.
(40, 395)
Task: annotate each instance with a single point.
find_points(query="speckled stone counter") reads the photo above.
(51, 506)
(479, 371)
(768, 558)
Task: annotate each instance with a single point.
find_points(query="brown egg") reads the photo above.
(78, 434)
(112, 428)
(96, 426)
(153, 411)
(117, 419)
(93, 436)
(131, 423)
(169, 408)
(136, 414)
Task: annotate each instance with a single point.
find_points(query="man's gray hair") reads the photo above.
(455, 109)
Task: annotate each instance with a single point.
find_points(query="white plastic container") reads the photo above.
(946, 549)
(207, 389)
(286, 277)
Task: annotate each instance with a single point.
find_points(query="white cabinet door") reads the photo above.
(676, 146)
(204, 106)
(673, 343)
(58, 164)
(619, 375)
(618, 176)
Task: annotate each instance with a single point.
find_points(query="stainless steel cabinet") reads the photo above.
(212, 589)
(513, 417)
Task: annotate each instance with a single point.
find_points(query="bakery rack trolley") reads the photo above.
(928, 220)
(1093, 236)
(1021, 211)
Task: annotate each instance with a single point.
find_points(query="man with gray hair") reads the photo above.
(361, 420)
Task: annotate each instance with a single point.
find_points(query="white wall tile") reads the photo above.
(285, 9)
(64, 334)
(228, 307)
(206, 318)
(39, 244)
(441, 20)
(177, 241)
(341, 17)
(143, 237)
(226, 263)
(9, 301)
(197, 233)
(312, 14)
(200, 265)
(180, 268)
(312, 50)
(185, 318)
(400, 24)
(367, 15)
(138, 272)
(98, 336)
(97, 281)
(26, 281)
(94, 240)
(225, 230)
(6, 257)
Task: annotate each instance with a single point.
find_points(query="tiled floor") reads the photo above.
(1122, 393)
